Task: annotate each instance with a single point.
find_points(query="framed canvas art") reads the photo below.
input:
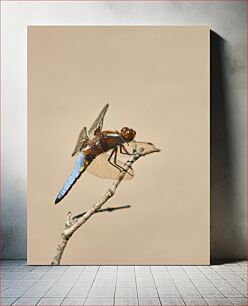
(96, 96)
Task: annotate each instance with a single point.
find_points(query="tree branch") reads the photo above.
(74, 223)
(108, 209)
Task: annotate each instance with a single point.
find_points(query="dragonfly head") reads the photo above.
(128, 134)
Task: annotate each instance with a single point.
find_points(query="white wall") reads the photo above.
(228, 153)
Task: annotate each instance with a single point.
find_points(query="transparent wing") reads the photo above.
(82, 137)
(102, 168)
(98, 123)
(145, 147)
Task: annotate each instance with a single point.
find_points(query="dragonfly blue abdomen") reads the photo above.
(79, 168)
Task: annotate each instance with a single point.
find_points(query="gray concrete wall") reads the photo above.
(227, 20)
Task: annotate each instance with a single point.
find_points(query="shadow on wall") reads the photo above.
(224, 231)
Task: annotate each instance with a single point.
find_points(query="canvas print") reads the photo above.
(118, 145)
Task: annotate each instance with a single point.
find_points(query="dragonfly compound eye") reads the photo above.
(128, 134)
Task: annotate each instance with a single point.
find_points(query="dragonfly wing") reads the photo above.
(98, 123)
(102, 168)
(82, 137)
(134, 145)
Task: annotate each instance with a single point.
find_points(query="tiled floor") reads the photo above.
(123, 285)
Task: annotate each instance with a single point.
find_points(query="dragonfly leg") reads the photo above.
(114, 152)
(114, 163)
(124, 151)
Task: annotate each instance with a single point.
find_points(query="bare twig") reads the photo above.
(108, 209)
(74, 223)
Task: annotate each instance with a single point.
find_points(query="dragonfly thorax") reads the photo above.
(128, 134)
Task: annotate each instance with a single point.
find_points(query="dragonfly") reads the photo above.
(98, 151)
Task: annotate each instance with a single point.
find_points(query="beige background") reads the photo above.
(156, 80)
